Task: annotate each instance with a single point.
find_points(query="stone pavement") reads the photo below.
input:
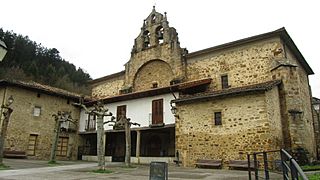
(72, 170)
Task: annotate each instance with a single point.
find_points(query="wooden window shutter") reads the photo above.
(157, 111)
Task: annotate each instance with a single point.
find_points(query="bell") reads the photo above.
(160, 35)
(146, 39)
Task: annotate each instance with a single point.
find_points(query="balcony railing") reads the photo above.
(157, 124)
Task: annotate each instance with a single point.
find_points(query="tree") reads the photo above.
(6, 114)
(125, 123)
(39, 64)
(100, 112)
(59, 118)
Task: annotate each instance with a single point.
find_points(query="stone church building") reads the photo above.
(236, 98)
(222, 102)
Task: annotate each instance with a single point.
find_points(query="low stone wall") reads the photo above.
(135, 160)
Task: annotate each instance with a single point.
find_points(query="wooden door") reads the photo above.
(62, 146)
(32, 144)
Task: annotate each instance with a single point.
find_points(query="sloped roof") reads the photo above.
(282, 33)
(153, 92)
(3, 44)
(33, 86)
(104, 78)
(315, 100)
(228, 92)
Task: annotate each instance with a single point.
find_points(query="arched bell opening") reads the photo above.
(159, 33)
(146, 39)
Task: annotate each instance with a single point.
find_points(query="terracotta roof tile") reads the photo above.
(40, 87)
(227, 92)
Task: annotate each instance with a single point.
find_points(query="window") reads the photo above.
(126, 90)
(224, 81)
(157, 111)
(121, 111)
(37, 111)
(217, 118)
(91, 123)
(32, 144)
(62, 147)
(153, 18)
(154, 84)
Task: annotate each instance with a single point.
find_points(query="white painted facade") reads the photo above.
(138, 110)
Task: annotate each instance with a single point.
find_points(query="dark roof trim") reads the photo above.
(283, 65)
(229, 92)
(192, 84)
(121, 73)
(282, 33)
(153, 92)
(33, 86)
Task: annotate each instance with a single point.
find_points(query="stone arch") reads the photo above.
(152, 72)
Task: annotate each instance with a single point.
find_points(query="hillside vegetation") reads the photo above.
(28, 60)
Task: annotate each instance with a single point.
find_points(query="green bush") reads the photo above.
(314, 176)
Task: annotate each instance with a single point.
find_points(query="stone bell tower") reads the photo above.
(156, 48)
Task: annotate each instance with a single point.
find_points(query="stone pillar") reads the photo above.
(138, 146)
(105, 144)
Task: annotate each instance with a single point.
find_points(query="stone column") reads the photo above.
(105, 144)
(138, 146)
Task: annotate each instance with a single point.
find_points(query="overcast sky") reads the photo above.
(98, 35)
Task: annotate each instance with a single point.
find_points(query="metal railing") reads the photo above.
(289, 164)
(289, 167)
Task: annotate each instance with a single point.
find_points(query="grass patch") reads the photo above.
(310, 167)
(314, 176)
(101, 171)
(53, 163)
(4, 167)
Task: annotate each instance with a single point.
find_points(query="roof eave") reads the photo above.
(229, 93)
(290, 43)
(110, 76)
(282, 33)
(8, 83)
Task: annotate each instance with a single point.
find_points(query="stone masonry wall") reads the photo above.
(153, 72)
(23, 123)
(164, 52)
(297, 97)
(244, 65)
(107, 88)
(246, 127)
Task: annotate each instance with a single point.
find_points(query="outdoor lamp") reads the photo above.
(174, 111)
(3, 50)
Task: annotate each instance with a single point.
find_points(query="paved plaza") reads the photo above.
(72, 170)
